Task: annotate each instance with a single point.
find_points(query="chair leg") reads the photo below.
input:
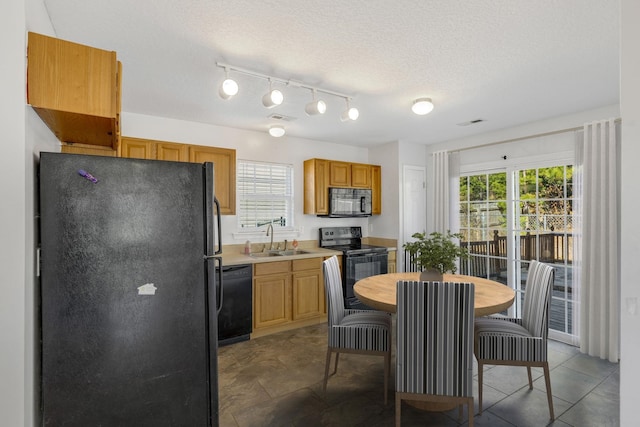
(480, 372)
(387, 365)
(398, 406)
(326, 369)
(470, 411)
(547, 380)
(530, 379)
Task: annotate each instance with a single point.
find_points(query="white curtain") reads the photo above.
(446, 173)
(596, 214)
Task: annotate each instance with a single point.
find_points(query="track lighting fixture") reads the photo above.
(229, 86)
(315, 106)
(273, 97)
(276, 131)
(351, 113)
(422, 106)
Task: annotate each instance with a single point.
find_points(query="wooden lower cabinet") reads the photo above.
(308, 288)
(287, 295)
(272, 300)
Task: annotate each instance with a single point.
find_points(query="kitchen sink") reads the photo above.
(290, 252)
(265, 254)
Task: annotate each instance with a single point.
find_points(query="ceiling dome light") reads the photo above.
(272, 98)
(228, 88)
(315, 106)
(422, 106)
(276, 131)
(351, 113)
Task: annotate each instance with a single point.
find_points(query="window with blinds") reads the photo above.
(265, 194)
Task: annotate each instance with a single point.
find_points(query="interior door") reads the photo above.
(414, 202)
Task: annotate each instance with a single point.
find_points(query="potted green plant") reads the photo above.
(435, 254)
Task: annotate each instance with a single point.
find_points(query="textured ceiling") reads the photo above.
(504, 61)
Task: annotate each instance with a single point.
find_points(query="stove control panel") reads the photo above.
(332, 233)
(340, 236)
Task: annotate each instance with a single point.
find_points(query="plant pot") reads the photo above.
(431, 275)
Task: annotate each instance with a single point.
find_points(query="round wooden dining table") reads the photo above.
(379, 292)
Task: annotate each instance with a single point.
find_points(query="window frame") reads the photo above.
(288, 197)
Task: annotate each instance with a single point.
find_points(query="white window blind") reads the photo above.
(265, 193)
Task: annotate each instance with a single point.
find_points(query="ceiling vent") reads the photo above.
(281, 117)
(471, 122)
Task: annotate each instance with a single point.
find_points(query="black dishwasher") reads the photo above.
(235, 317)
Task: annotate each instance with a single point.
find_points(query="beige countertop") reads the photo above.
(234, 254)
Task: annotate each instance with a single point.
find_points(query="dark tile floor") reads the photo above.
(276, 380)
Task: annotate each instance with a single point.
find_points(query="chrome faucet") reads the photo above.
(270, 226)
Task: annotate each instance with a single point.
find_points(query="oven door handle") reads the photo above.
(367, 254)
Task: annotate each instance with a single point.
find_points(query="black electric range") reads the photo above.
(359, 260)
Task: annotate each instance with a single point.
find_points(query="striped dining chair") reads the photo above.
(519, 341)
(434, 356)
(353, 331)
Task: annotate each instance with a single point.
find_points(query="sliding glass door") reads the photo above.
(510, 217)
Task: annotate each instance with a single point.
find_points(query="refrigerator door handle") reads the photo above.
(218, 250)
(220, 290)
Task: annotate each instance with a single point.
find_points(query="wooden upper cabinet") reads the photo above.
(344, 174)
(316, 187)
(172, 151)
(360, 175)
(75, 89)
(136, 148)
(224, 161)
(376, 190)
(320, 174)
(91, 150)
(339, 174)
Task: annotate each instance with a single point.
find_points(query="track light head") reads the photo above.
(422, 106)
(351, 113)
(315, 106)
(229, 87)
(276, 131)
(273, 97)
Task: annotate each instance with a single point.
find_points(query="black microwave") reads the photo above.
(349, 202)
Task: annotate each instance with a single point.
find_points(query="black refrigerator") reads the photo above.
(128, 292)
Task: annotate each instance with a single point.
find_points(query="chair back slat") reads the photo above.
(535, 310)
(435, 338)
(333, 290)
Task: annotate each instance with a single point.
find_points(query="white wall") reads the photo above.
(386, 225)
(630, 206)
(18, 360)
(14, 370)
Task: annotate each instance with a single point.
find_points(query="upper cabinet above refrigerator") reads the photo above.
(75, 89)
